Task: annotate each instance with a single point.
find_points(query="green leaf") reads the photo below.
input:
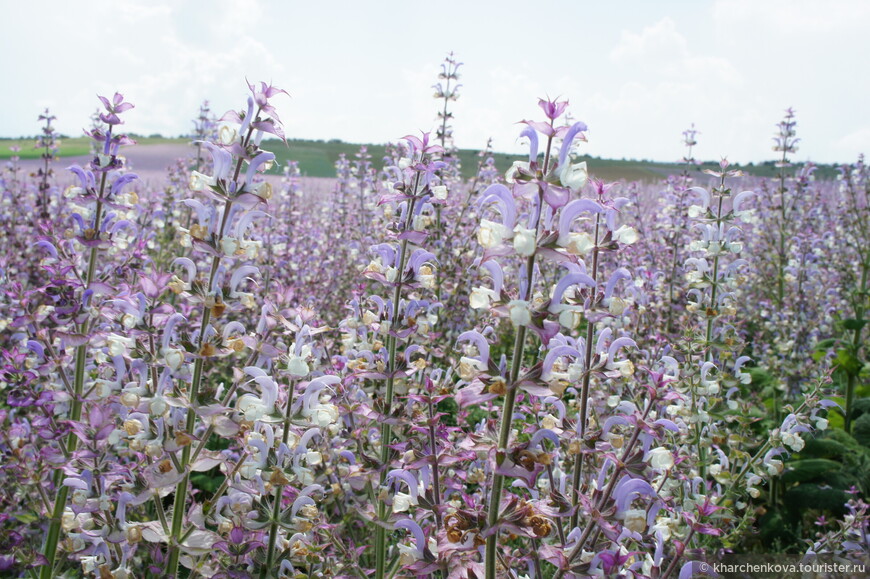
(26, 518)
(808, 469)
(848, 362)
(825, 345)
(860, 406)
(861, 429)
(853, 324)
(812, 496)
(823, 448)
(760, 377)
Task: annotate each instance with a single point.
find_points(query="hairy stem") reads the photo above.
(53, 535)
(386, 428)
(507, 411)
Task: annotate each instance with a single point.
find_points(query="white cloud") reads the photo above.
(800, 19)
(638, 76)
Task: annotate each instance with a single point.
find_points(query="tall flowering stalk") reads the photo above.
(410, 192)
(48, 142)
(711, 296)
(855, 274)
(446, 90)
(785, 143)
(95, 192)
(231, 194)
(204, 128)
(551, 184)
(675, 239)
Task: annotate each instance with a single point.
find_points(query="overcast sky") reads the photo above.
(637, 72)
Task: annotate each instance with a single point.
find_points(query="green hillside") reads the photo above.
(318, 158)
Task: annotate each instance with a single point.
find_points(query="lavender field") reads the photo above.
(225, 370)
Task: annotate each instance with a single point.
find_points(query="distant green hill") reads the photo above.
(318, 158)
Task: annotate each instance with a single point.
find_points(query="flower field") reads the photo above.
(229, 371)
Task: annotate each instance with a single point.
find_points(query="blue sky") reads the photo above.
(638, 73)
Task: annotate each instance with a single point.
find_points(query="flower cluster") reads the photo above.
(243, 372)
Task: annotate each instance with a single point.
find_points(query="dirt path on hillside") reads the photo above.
(150, 163)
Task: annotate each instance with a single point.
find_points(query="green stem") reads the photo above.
(711, 314)
(180, 502)
(507, 411)
(856, 343)
(608, 491)
(436, 481)
(386, 429)
(577, 474)
(279, 494)
(53, 535)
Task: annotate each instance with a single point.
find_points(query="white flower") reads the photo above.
(664, 524)
(72, 192)
(469, 368)
(571, 316)
(263, 190)
(511, 174)
(774, 467)
(297, 367)
(118, 345)
(322, 415)
(229, 246)
(102, 388)
(578, 243)
(661, 458)
(174, 357)
(520, 313)
(402, 502)
(793, 441)
(574, 177)
(635, 520)
(426, 277)
(251, 406)
(616, 306)
(130, 321)
(130, 399)
(696, 211)
(227, 135)
(480, 298)
(158, 406)
(439, 192)
(550, 422)
(524, 241)
(626, 235)
(407, 554)
(490, 234)
(200, 182)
